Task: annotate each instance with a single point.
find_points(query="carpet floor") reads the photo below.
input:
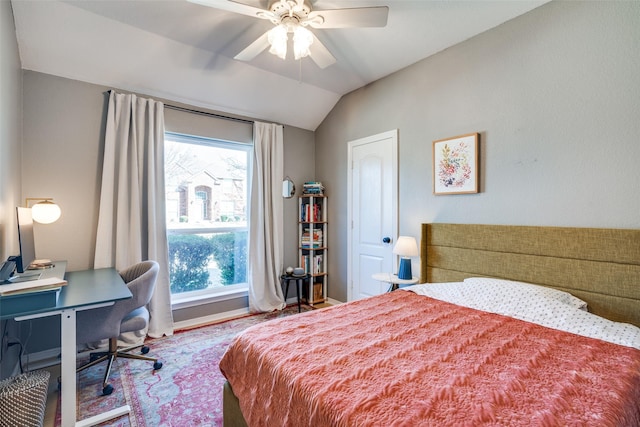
(187, 391)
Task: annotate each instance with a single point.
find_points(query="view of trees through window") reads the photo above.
(206, 191)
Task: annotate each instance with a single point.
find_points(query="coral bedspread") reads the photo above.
(406, 359)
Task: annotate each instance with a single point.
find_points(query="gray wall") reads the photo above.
(555, 95)
(62, 148)
(10, 132)
(10, 161)
(299, 163)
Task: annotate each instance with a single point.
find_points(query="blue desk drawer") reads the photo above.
(23, 303)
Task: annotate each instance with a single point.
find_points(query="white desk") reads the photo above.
(85, 290)
(393, 280)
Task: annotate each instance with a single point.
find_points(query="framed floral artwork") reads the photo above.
(455, 165)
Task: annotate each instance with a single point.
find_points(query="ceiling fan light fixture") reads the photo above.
(302, 39)
(277, 38)
(295, 16)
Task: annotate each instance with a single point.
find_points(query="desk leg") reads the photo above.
(68, 373)
(68, 367)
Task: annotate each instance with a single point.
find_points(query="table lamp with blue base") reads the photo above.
(406, 247)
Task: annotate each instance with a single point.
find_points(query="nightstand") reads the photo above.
(285, 279)
(393, 280)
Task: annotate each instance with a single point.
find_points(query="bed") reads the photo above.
(411, 358)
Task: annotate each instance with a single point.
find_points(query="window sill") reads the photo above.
(196, 300)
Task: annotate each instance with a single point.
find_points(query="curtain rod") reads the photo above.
(189, 110)
(219, 116)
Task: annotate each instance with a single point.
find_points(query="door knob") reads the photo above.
(386, 240)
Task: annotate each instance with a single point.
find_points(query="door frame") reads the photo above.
(393, 135)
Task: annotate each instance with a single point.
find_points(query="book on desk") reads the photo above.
(28, 286)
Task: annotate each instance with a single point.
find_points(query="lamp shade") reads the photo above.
(45, 212)
(406, 247)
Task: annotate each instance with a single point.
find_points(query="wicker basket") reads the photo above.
(23, 399)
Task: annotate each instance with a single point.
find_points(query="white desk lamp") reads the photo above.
(44, 210)
(406, 247)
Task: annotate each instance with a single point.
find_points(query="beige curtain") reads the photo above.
(265, 228)
(131, 222)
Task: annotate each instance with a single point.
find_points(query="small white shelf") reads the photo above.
(393, 280)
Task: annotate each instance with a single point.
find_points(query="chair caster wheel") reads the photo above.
(107, 390)
(157, 366)
(144, 350)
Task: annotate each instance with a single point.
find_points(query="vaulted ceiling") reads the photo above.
(184, 52)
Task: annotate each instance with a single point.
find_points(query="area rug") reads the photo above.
(187, 391)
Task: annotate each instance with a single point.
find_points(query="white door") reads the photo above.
(373, 212)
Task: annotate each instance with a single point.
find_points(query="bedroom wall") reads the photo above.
(63, 144)
(10, 155)
(555, 95)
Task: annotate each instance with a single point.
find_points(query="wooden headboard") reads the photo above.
(600, 266)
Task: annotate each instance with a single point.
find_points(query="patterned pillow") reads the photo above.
(505, 289)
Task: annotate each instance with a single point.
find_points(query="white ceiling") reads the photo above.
(184, 52)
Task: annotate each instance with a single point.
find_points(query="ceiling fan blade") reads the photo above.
(320, 54)
(254, 49)
(236, 7)
(349, 18)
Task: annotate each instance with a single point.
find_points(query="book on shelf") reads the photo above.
(313, 188)
(311, 245)
(311, 238)
(312, 265)
(317, 266)
(318, 292)
(310, 212)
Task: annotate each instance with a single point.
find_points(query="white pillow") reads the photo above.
(504, 289)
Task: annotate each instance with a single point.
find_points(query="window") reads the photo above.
(206, 191)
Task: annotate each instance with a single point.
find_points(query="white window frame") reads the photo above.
(222, 293)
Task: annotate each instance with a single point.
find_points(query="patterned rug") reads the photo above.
(187, 391)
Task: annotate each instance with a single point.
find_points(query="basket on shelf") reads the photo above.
(23, 399)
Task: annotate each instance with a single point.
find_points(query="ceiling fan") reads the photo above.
(293, 17)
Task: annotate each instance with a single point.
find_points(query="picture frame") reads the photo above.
(455, 165)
